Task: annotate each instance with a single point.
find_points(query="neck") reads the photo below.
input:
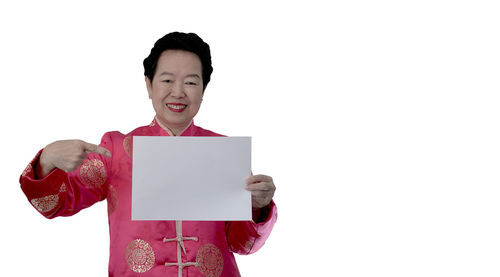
(173, 131)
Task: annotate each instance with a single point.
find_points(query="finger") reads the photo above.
(264, 186)
(258, 178)
(92, 148)
(259, 194)
(260, 203)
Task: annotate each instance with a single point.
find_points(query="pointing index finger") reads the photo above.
(92, 148)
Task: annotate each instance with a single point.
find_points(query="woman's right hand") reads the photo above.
(66, 155)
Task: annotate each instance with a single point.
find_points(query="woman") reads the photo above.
(67, 176)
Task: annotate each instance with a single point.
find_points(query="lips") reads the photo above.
(176, 107)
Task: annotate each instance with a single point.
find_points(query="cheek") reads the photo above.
(195, 98)
(197, 104)
(157, 102)
(158, 94)
(159, 90)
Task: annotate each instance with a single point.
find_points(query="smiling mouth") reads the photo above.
(176, 107)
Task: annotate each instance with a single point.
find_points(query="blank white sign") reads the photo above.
(191, 178)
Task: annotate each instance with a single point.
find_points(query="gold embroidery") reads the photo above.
(140, 256)
(27, 170)
(153, 123)
(127, 145)
(62, 188)
(46, 203)
(92, 173)
(112, 199)
(209, 260)
(248, 245)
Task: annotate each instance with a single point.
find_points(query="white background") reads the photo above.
(379, 121)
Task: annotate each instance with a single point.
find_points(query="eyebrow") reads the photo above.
(189, 75)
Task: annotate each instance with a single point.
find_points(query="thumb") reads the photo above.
(92, 148)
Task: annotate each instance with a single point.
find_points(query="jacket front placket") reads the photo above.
(180, 245)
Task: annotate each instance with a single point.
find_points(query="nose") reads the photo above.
(177, 90)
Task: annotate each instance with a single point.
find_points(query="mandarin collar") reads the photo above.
(158, 129)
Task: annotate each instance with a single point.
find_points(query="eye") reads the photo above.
(191, 83)
(167, 81)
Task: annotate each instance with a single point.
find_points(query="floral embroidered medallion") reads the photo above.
(209, 260)
(27, 170)
(92, 173)
(140, 256)
(46, 203)
(127, 146)
(112, 199)
(62, 188)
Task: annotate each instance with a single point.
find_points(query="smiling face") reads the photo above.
(176, 89)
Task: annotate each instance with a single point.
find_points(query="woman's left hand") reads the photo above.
(262, 188)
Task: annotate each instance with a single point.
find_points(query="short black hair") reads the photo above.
(180, 41)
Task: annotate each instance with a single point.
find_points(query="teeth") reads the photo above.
(176, 106)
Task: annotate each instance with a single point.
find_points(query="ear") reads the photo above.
(149, 87)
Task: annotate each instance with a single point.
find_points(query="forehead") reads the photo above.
(178, 61)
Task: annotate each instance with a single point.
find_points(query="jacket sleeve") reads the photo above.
(65, 194)
(246, 237)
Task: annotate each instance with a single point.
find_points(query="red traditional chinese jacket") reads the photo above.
(153, 248)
